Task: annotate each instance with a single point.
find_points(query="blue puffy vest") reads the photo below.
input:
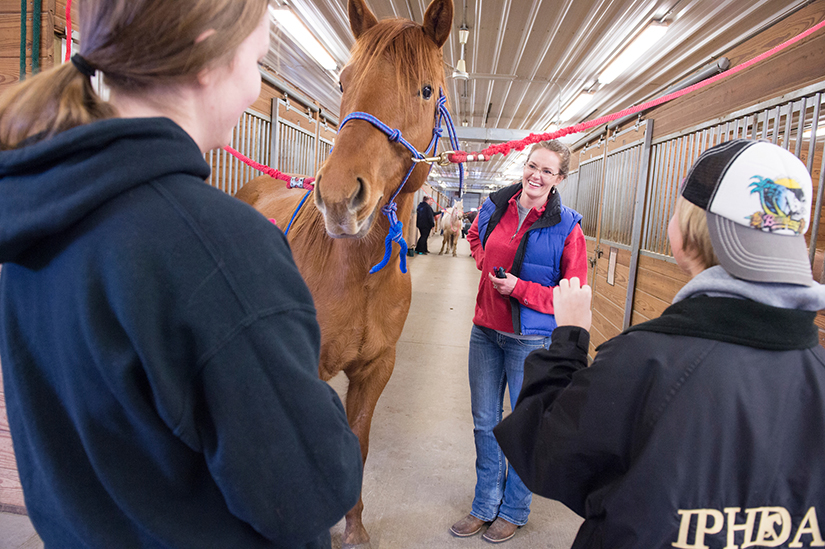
(538, 257)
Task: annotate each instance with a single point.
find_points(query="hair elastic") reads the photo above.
(83, 66)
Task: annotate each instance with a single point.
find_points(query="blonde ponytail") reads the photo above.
(44, 105)
(113, 32)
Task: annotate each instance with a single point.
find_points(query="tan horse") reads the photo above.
(450, 225)
(395, 73)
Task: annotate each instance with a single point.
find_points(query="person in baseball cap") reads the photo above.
(704, 427)
(757, 197)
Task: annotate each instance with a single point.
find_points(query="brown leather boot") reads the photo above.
(468, 526)
(500, 530)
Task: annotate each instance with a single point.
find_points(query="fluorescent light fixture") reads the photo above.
(580, 102)
(463, 34)
(301, 35)
(643, 42)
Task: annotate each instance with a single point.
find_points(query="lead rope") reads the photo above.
(504, 148)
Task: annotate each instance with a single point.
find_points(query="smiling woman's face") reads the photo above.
(541, 174)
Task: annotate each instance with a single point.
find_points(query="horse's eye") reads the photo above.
(426, 92)
(340, 86)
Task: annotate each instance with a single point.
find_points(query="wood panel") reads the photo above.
(657, 283)
(646, 307)
(789, 70)
(60, 17)
(10, 40)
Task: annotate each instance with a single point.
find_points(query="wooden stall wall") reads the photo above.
(602, 186)
(748, 104)
(792, 69)
(10, 34)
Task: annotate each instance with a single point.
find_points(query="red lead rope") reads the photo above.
(68, 31)
(292, 182)
(503, 148)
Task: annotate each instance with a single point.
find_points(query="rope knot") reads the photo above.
(394, 136)
(396, 234)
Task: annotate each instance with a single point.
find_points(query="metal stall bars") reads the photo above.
(611, 197)
(791, 121)
(250, 137)
(586, 194)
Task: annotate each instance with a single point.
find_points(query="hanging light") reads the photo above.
(460, 71)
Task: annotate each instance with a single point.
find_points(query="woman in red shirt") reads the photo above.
(525, 231)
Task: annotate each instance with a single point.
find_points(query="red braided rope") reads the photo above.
(68, 31)
(303, 182)
(503, 148)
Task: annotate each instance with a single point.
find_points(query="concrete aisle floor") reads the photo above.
(420, 476)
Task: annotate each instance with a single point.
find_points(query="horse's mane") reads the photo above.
(415, 57)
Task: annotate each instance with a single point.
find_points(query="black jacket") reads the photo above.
(704, 423)
(160, 353)
(425, 218)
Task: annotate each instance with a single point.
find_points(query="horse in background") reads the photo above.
(450, 225)
(339, 233)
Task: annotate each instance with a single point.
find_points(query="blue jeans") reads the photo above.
(495, 361)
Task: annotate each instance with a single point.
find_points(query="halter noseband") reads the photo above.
(396, 227)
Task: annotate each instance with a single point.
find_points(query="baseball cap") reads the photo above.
(757, 199)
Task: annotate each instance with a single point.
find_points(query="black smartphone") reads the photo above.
(499, 272)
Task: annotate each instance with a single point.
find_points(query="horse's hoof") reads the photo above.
(365, 545)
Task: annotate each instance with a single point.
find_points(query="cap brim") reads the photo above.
(752, 254)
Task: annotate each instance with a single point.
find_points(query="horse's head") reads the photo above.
(395, 74)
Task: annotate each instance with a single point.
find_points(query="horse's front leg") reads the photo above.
(365, 386)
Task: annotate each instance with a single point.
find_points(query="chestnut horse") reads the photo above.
(395, 73)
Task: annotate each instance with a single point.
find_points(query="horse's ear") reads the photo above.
(438, 21)
(361, 19)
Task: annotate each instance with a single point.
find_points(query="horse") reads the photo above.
(450, 225)
(395, 74)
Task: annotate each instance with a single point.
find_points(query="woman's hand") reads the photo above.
(504, 286)
(571, 303)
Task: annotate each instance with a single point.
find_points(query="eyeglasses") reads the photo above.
(545, 173)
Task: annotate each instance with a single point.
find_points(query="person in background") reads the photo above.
(536, 241)
(704, 427)
(425, 221)
(159, 347)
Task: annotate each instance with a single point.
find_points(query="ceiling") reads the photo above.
(528, 59)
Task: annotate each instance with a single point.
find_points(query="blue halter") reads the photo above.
(396, 227)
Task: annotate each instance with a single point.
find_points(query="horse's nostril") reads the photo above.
(359, 197)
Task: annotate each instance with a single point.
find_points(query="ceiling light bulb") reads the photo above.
(460, 71)
(463, 35)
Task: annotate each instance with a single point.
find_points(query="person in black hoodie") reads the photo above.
(425, 221)
(704, 427)
(159, 347)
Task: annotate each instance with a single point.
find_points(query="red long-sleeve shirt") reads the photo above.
(493, 309)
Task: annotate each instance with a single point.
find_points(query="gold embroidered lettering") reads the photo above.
(769, 519)
(810, 526)
(702, 527)
(747, 527)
